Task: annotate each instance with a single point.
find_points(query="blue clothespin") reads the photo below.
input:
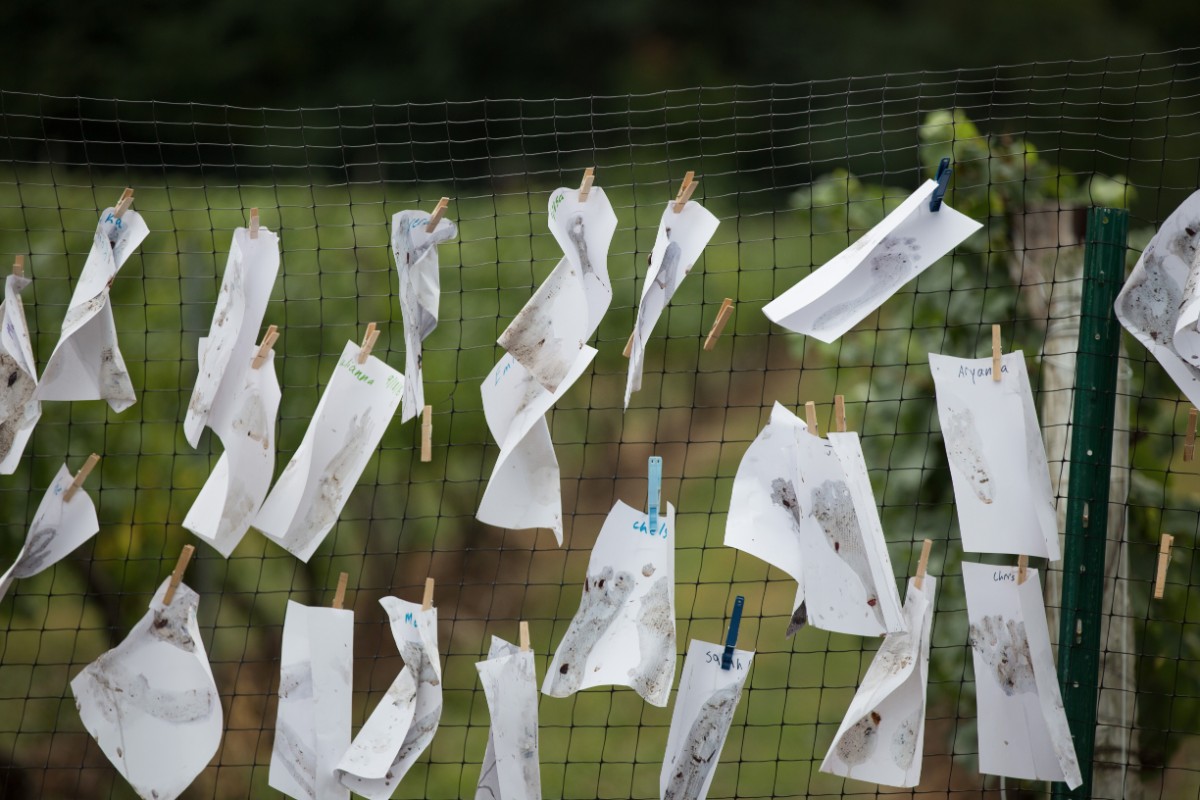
(654, 492)
(735, 622)
(943, 180)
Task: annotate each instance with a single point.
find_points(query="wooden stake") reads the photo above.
(1022, 569)
(427, 434)
(586, 186)
(368, 343)
(1189, 444)
(1164, 560)
(996, 353)
(177, 575)
(268, 341)
(19, 266)
(524, 627)
(438, 212)
(719, 323)
(923, 564)
(686, 189)
(839, 415)
(810, 416)
(628, 346)
(254, 223)
(81, 476)
(427, 601)
(339, 597)
(124, 203)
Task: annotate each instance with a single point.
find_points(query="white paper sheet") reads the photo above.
(350, 419)
(58, 528)
(1023, 730)
(997, 458)
(19, 410)
(882, 738)
(681, 239)
(245, 422)
(511, 769)
(416, 254)
(805, 505)
(86, 363)
(404, 722)
(624, 631)
(708, 696)
(151, 702)
(1160, 303)
(861, 278)
(312, 725)
(246, 286)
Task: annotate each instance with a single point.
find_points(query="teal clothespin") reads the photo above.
(943, 180)
(735, 622)
(654, 492)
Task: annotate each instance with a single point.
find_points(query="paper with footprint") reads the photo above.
(86, 363)
(861, 278)
(881, 740)
(1160, 303)
(151, 702)
(416, 252)
(1023, 730)
(624, 631)
(511, 768)
(312, 723)
(406, 718)
(805, 505)
(346, 427)
(993, 441)
(704, 706)
(546, 353)
(682, 237)
(58, 527)
(19, 409)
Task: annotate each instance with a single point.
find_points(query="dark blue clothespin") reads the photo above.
(943, 180)
(735, 622)
(653, 492)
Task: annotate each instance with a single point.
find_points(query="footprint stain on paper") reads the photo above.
(656, 643)
(904, 741)
(834, 511)
(698, 754)
(603, 596)
(964, 447)
(16, 391)
(1151, 299)
(858, 742)
(891, 265)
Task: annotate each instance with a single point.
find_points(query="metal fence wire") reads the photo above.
(795, 172)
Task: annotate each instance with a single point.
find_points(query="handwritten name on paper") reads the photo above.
(411, 619)
(393, 384)
(979, 372)
(1004, 576)
(711, 657)
(556, 202)
(643, 526)
(500, 373)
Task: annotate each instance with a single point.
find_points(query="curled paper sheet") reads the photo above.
(805, 505)
(624, 631)
(681, 239)
(19, 410)
(350, 419)
(416, 256)
(997, 459)
(882, 738)
(861, 278)
(58, 528)
(86, 363)
(312, 725)
(1023, 731)
(246, 286)
(404, 722)
(511, 769)
(151, 702)
(704, 706)
(1160, 303)
(245, 422)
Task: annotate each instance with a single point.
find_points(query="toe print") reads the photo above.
(965, 450)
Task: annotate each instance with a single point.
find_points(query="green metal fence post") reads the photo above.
(1087, 492)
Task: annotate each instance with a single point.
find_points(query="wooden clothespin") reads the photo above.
(686, 189)
(810, 417)
(524, 627)
(254, 223)
(427, 434)
(368, 343)
(1022, 569)
(839, 412)
(1164, 560)
(438, 212)
(1189, 444)
(81, 476)
(339, 597)
(124, 203)
(996, 353)
(427, 600)
(268, 341)
(177, 574)
(586, 187)
(923, 564)
(19, 266)
(719, 323)
(628, 346)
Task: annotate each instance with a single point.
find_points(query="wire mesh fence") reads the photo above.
(795, 172)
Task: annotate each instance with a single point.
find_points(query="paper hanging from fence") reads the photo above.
(404, 722)
(997, 459)
(841, 293)
(511, 768)
(151, 702)
(250, 274)
(19, 408)
(58, 528)
(86, 363)
(624, 631)
(346, 427)
(416, 252)
(805, 505)
(682, 237)
(881, 740)
(704, 707)
(312, 724)
(1023, 731)
(1160, 303)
